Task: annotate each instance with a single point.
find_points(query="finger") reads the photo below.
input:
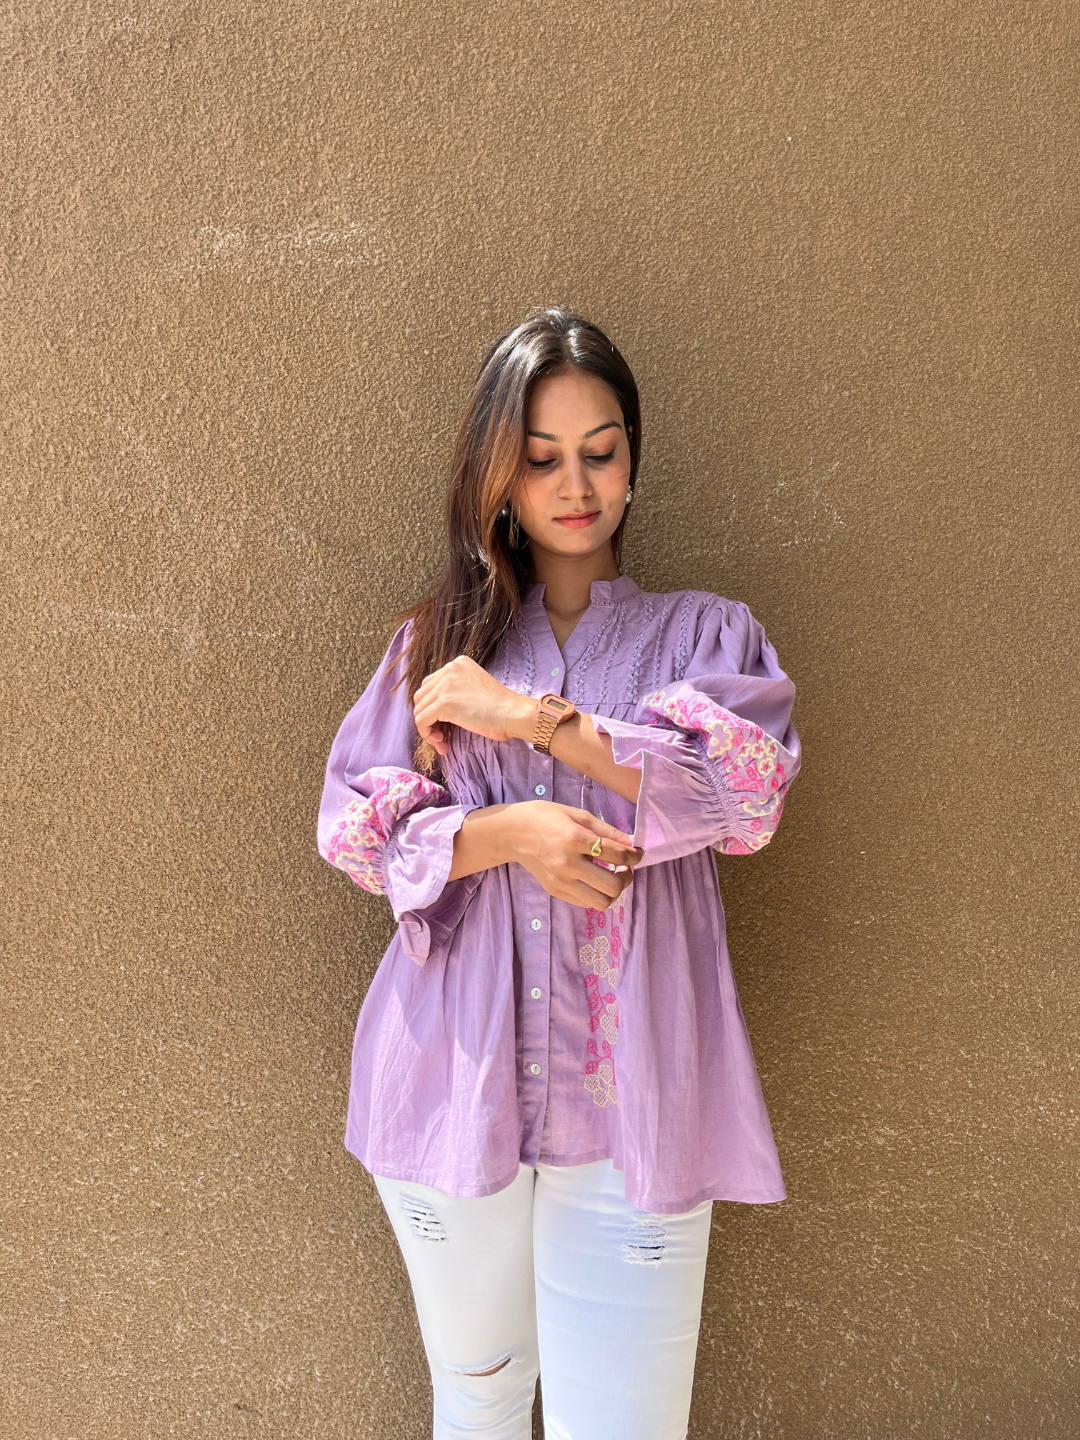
(585, 896)
(426, 714)
(612, 855)
(596, 826)
(432, 734)
(624, 874)
(424, 726)
(598, 877)
(607, 852)
(428, 687)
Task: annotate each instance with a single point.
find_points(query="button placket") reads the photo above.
(534, 929)
(551, 669)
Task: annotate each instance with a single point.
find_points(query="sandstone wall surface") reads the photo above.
(252, 256)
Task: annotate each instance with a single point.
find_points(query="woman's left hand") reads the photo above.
(463, 693)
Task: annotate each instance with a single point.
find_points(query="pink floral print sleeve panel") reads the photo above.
(504, 1026)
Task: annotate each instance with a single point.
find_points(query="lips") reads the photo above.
(577, 522)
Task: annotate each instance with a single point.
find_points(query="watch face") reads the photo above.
(559, 705)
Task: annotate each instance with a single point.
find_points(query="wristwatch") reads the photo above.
(551, 711)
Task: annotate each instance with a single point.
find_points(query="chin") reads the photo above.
(579, 544)
(595, 537)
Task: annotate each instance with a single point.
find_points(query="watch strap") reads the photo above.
(544, 732)
(551, 711)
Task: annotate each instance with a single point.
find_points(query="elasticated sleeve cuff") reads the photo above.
(709, 776)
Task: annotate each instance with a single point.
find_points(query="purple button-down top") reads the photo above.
(504, 1026)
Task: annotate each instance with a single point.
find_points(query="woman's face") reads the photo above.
(577, 471)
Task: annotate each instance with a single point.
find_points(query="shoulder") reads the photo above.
(397, 652)
(393, 666)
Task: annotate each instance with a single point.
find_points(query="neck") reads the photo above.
(568, 578)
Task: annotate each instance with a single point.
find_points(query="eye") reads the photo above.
(600, 459)
(541, 464)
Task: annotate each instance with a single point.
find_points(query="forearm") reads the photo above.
(577, 743)
(489, 837)
(481, 843)
(576, 856)
(463, 693)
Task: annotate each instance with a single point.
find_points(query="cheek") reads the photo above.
(618, 480)
(620, 465)
(531, 493)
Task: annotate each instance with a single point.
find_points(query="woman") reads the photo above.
(552, 1079)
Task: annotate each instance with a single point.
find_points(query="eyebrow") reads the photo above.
(607, 425)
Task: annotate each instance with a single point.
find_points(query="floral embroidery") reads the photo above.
(359, 840)
(748, 759)
(599, 958)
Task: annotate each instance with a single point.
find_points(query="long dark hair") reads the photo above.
(489, 567)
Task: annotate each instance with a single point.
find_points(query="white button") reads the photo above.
(537, 924)
(540, 790)
(555, 671)
(535, 1069)
(536, 992)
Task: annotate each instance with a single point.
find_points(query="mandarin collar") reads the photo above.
(601, 592)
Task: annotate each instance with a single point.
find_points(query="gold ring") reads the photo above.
(597, 848)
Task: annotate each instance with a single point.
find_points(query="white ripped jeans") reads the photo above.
(555, 1273)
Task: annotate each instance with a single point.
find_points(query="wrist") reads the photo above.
(523, 718)
(508, 829)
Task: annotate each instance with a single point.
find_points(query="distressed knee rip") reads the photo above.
(426, 1225)
(486, 1367)
(423, 1222)
(645, 1241)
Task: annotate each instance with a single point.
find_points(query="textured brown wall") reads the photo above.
(252, 255)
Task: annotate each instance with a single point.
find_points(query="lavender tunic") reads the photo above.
(504, 1026)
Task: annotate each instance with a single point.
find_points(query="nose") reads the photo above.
(576, 479)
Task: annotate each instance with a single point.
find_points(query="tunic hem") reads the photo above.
(737, 1195)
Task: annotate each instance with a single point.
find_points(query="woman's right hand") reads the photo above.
(554, 843)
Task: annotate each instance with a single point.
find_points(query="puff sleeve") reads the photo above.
(716, 749)
(389, 828)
